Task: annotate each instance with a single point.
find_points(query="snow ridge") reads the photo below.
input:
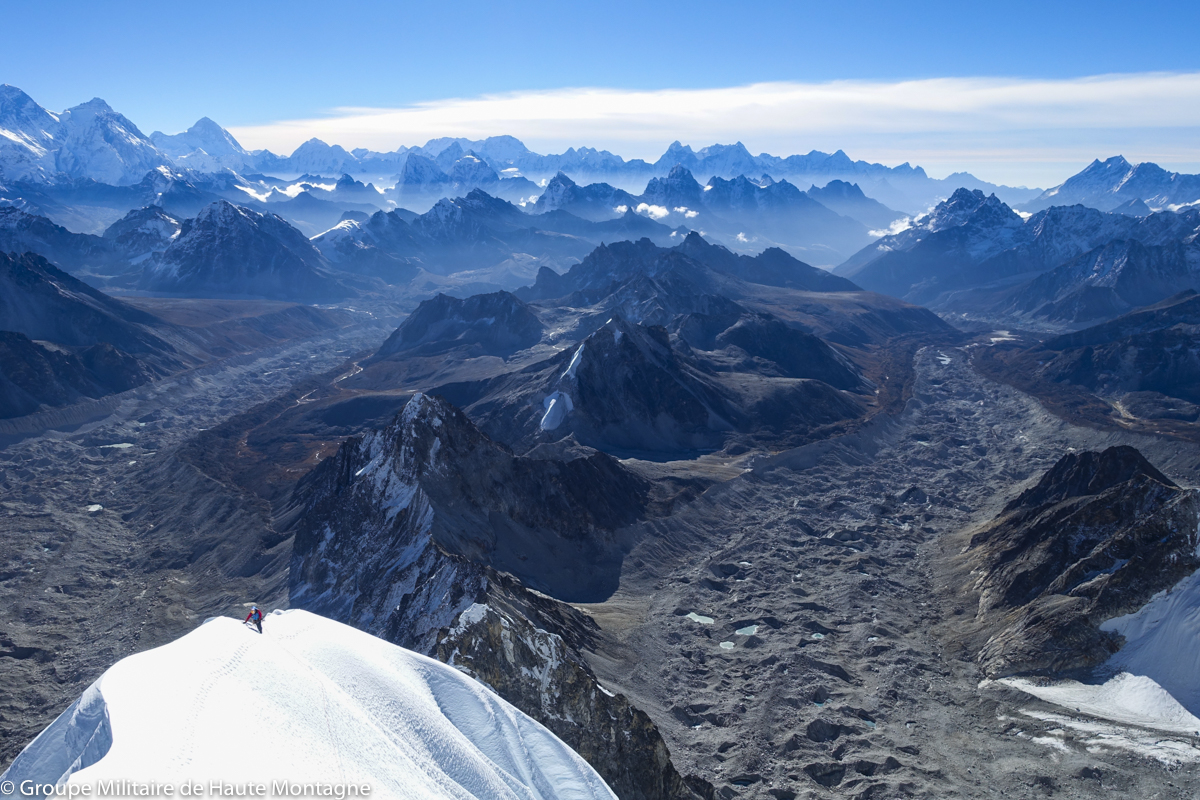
(318, 703)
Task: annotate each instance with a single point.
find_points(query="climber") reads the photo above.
(256, 617)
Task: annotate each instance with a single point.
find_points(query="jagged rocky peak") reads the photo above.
(626, 387)
(427, 533)
(561, 180)
(495, 324)
(232, 250)
(678, 188)
(1095, 539)
(764, 344)
(432, 479)
(143, 231)
(606, 359)
(1087, 473)
(970, 206)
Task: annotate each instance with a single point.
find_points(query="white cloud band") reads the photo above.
(951, 121)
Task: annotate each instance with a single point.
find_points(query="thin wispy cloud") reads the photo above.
(952, 122)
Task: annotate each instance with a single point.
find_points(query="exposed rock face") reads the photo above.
(492, 324)
(507, 644)
(433, 480)
(399, 532)
(630, 388)
(1096, 538)
(228, 250)
(66, 340)
(34, 375)
(22, 232)
(1111, 280)
(143, 232)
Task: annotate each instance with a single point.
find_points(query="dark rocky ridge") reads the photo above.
(707, 266)
(399, 535)
(493, 324)
(1094, 539)
(630, 388)
(43, 302)
(742, 341)
(61, 340)
(432, 475)
(528, 648)
(1140, 370)
(22, 232)
(34, 375)
(1111, 280)
(230, 251)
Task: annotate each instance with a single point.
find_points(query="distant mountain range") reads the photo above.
(93, 141)
(740, 211)
(1066, 264)
(1116, 185)
(88, 190)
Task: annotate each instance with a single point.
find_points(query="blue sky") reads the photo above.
(251, 66)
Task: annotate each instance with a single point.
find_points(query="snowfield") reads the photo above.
(310, 701)
(1162, 642)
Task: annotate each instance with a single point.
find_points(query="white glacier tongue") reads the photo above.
(309, 701)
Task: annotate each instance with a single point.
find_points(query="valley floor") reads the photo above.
(796, 630)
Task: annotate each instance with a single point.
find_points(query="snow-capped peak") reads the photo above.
(315, 703)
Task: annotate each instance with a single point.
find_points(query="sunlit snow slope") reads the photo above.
(309, 701)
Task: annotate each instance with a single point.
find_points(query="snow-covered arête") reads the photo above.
(308, 702)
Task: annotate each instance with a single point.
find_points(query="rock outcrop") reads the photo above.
(1094, 539)
(402, 534)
